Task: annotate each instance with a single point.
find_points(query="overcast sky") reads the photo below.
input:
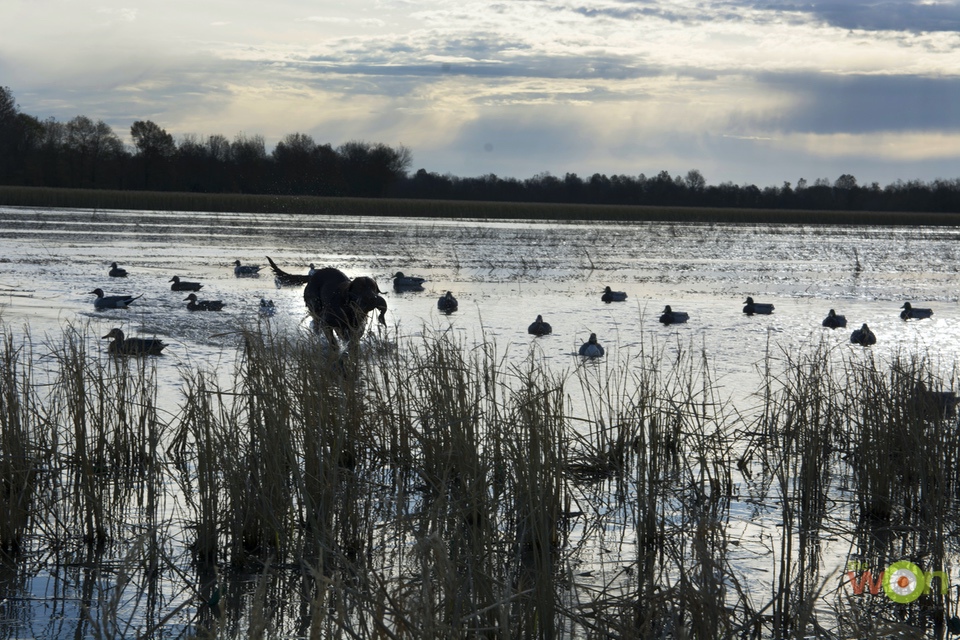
(757, 92)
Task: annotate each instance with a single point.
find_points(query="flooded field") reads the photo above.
(727, 430)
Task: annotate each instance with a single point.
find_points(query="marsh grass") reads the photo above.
(250, 203)
(432, 488)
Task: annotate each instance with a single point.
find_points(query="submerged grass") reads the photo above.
(433, 489)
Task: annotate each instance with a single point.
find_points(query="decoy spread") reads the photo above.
(669, 316)
(117, 272)
(447, 303)
(911, 313)
(285, 279)
(245, 271)
(761, 308)
(111, 302)
(833, 321)
(539, 327)
(182, 285)
(863, 336)
(613, 296)
(407, 283)
(133, 346)
(591, 348)
(202, 305)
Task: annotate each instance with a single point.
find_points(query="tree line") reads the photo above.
(83, 153)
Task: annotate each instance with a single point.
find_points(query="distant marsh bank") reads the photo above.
(250, 203)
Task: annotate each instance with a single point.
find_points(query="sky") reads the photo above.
(745, 91)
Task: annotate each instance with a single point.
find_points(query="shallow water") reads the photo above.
(504, 274)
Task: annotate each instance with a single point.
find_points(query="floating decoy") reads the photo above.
(117, 272)
(133, 346)
(447, 303)
(613, 296)
(111, 302)
(910, 313)
(833, 321)
(407, 283)
(591, 348)
(312, 270)
(863, 336)
(202, 305)
(539, 327)
(267, 308)
(245, 271)
(183, 286)
(934, 405)
(762, 308)
(669, 316)
(285, 279)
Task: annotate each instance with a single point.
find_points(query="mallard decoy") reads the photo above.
(863, 336)
(133, 346)
(179, 285)
(613, 296)
(447, 303)
(910, 313)
(116, 272)
(407, 283)
(669, 316)
(202, 305)
(111, 302)
(591, 348)
(934, 405)
(539, 327)
(245, 271)
(284, 279)
(833, 321)
(267, 308)
(761, 308)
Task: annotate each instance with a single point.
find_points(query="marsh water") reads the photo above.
(503, 274)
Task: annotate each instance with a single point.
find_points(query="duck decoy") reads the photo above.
(863, 336)
(591, 348)
(285, 279)
(179, 285)
(116, 272)
(312, 270)
(911, 313)
(761, 308)
(613, 296)
(202, 305)
(245, 271)
(133, 346)
(267, 308)
(833, 321)
(403, 283)
(669, 316)
(447, 303)
(539, 327)
(933, 405)
(111, 302)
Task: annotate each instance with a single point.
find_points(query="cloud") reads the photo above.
(868, 15)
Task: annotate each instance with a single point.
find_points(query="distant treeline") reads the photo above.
(85, 154)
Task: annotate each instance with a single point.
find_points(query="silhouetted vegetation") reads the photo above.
(85, 154)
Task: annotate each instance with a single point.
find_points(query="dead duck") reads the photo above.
(591, 348)
(111, 302)
(122, 346)
(911, 313)
(182, 285)
(447, 303)
(761, 308)
(286, 279)
(540, 327)
(116, 272)
(669, 316)
(610, 295)
(245, 271)
(202, 305)
(834, 321)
